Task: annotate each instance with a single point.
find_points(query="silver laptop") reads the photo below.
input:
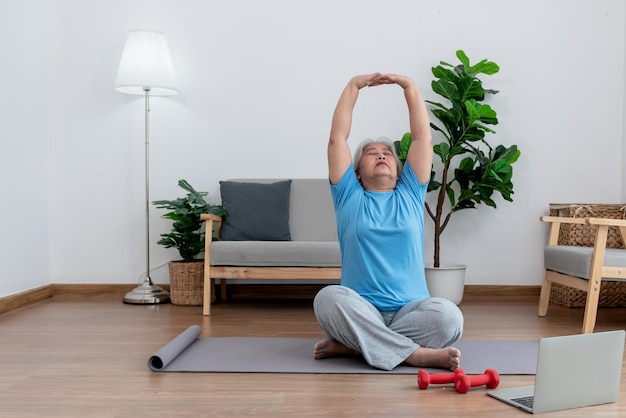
(572, 371)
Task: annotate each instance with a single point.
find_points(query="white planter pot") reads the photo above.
(446, 281)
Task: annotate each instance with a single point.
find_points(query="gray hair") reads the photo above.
(384, 141)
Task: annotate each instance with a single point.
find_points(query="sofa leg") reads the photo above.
(223, 288)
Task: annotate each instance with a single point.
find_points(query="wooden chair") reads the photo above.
(583, 268)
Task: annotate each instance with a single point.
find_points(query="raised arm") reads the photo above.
(339, 156)
(420, 155)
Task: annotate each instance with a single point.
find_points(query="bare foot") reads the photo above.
(332, 348)
(446, 358)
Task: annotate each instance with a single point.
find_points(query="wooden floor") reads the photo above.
(74, 356)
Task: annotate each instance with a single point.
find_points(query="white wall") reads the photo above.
(259, 81)
(24, 150)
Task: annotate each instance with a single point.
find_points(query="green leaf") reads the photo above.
(433, 185)
(446, 89)
(480, 112)
(402, 146)
(469, 88)
(466, 165)
(460, 54)
(510, 154)
(451, 196)
(442, 150)
(484, 67)
(443, 73)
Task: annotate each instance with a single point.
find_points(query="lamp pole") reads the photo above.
(147, 175)
(147, 292)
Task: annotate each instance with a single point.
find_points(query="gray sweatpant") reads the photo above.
(386, 339)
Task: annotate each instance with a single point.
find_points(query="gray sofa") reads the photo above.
(282, 229)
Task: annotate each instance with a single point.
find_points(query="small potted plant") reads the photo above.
(187, 275)
(471, 170)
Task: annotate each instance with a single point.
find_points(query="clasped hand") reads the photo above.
(376, 79)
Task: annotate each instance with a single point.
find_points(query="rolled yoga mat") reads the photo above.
(189, 353)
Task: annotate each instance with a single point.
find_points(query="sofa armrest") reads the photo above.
(209, 218)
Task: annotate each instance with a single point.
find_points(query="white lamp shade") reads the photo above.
(146, 63)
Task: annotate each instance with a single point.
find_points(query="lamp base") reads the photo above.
(147, 293)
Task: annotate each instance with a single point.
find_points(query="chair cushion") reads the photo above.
(256, 211)
(576, 261)
(276, 253)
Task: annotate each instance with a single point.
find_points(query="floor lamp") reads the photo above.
(146, 69)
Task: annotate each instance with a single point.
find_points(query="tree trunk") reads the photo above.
(439, 226)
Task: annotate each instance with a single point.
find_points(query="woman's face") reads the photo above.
(377, 164)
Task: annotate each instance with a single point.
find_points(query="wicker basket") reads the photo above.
(584, 235)
(612, 294)
(186, 282)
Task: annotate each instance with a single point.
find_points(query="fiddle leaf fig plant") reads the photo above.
(186, 235)
(471, 169)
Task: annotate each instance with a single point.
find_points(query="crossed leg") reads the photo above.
(445, 358)
(419, 334)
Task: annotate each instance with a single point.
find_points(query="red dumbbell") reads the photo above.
(424, 379)
(463, 383)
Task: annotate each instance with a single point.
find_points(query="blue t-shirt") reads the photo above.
(381, 236)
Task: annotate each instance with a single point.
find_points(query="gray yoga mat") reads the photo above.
(189, 353)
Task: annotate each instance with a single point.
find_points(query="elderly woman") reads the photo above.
(382, 310)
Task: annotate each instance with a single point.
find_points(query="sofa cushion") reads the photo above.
(268, 253)
(312, 213)
(256, 211)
